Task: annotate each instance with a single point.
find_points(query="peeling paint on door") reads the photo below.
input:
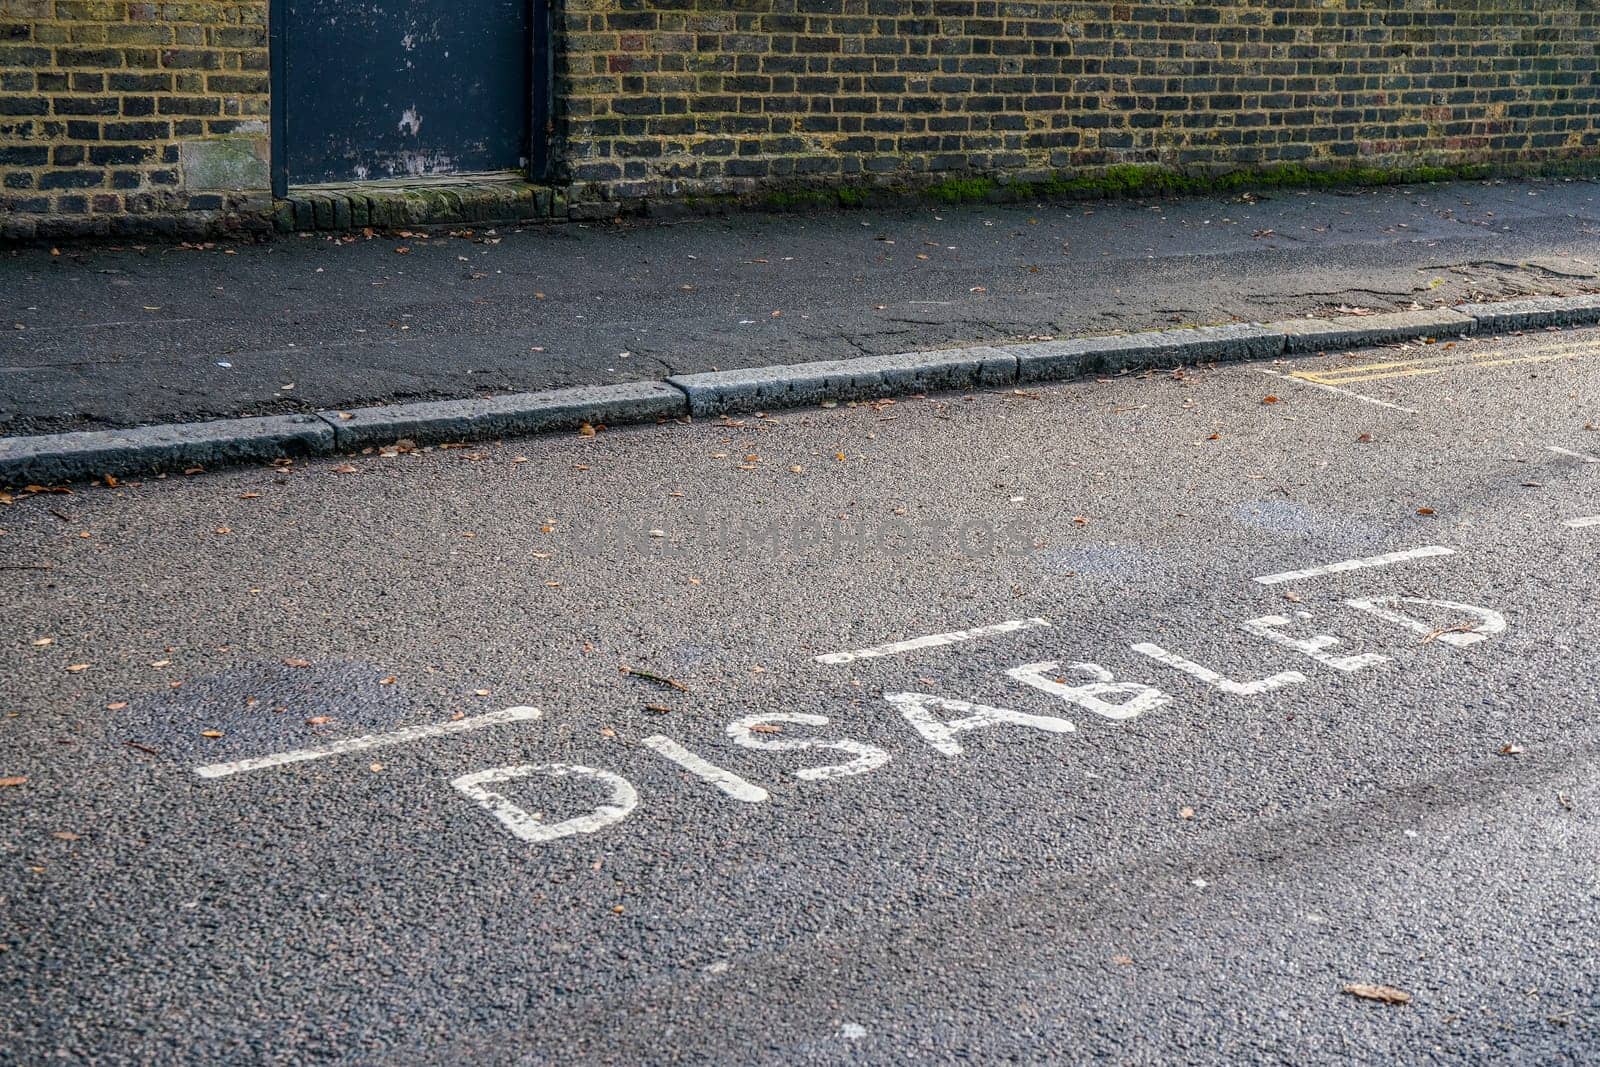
(394, 88)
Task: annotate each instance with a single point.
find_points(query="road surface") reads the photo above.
(1129, 720)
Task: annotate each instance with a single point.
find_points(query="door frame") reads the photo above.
(541, 91)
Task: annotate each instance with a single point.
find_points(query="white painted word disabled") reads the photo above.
(934, 721)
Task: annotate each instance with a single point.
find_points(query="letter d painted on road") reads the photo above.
(529, 827)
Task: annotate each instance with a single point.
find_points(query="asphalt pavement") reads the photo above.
(1165, 718)
(99, 337)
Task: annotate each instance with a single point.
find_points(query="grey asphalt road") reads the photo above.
(1376, 774)
(96, 338)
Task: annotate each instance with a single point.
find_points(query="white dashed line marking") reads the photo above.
(1580, 456)
(1355, 564)
(1587, 520)
(358, 744)
(932, 641)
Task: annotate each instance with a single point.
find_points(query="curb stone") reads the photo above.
(65, 457)
(1362, 331)
(431, 422)
(1535, 312)
(1053, 360)
(55, 458)
(867, 378)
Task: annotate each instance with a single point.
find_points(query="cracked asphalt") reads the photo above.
(97, 337)
(1397, 790)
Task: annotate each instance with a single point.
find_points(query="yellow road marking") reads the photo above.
(1328, 379)
(1371, 372)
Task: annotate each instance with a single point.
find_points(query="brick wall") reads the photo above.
(668, 97)
(120, 116)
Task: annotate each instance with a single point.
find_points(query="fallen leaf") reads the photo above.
(648, 676)
(64, 835)
(1424, 511)
(40, 642)
(586, 430)
(1269, 400)
(344, 468)
(390, 680)
(77, 667)
(1185, 813)
(766, 728)
(1511, 749)
(210, 733)
(480, 692)
(249, 496)
(161, 663)
(18, 779)
(1365, 439)
(117, 705)
(1386, 994)
(1122, 961)
(296, 662)
(319, 720)
(223, 530)
(375, 768)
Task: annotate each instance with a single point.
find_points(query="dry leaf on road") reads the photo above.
(1385, 994)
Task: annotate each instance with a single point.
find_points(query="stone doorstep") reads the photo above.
(346, 207)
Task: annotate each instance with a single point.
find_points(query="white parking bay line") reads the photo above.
(1587, 520)
(1342, 392)
(357, 744)
(1583, 456)
(932, 641)
(1355, 564)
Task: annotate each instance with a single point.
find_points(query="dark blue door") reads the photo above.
(374, 89)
